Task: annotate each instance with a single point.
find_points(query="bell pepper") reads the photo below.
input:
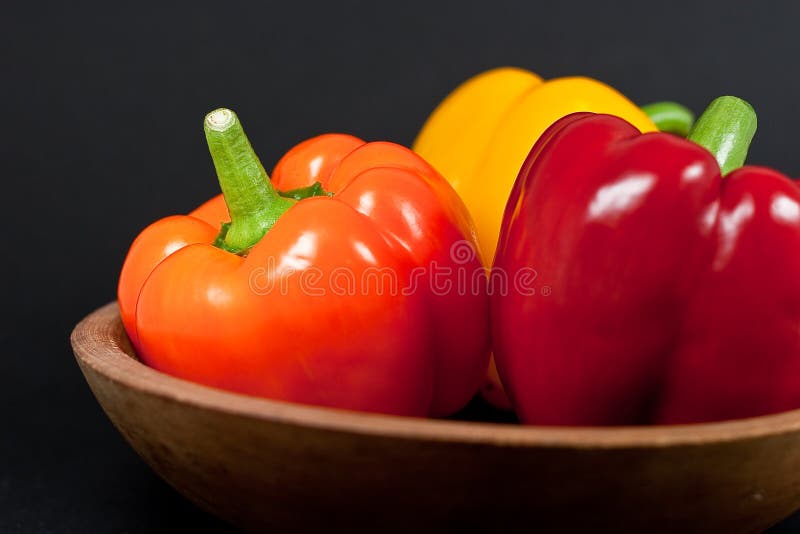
(666, 276)
(479, 136)
(324, 300)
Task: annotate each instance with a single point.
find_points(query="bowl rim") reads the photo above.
(99, 342)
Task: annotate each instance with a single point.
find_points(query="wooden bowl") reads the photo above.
(270, 465)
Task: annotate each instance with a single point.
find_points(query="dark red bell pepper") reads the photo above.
(667, 294)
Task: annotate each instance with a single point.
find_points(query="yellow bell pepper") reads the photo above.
(479, 136)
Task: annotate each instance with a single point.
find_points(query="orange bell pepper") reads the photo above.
(318, 300)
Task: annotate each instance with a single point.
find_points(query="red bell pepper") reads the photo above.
(667, 293)
(324, 300)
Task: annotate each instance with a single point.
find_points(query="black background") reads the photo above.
(100, 133)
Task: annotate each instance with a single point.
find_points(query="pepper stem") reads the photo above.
(301, 193)
(670, 117)
(726, 129)
(253, 203)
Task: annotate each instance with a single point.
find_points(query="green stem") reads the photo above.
(670, 117)
(313, 190)
(726, 129)
(253, 203)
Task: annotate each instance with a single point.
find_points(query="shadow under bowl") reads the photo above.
(270, 465)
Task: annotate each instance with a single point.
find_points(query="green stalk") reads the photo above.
(313, 190)
(253, 203)
(670, 117)
(726, 129)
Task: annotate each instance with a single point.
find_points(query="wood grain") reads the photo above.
(270, 465)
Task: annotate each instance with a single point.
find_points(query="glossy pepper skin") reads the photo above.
(281, 323)
(672, 293)
(479, 135)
